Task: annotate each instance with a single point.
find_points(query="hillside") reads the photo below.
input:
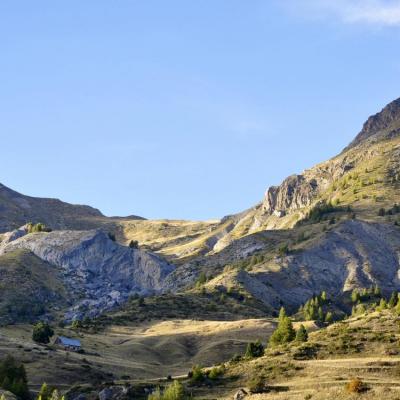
(365, 176)
(157, 297)
(29, 287)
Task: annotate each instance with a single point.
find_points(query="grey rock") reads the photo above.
(99, 273)
(240, 395)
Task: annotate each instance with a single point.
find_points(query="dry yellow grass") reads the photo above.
(145, 351)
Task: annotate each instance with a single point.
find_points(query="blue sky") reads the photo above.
(185, 109)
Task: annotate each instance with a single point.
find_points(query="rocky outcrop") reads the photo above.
(96, 270)
(295, 192)
(382, 125)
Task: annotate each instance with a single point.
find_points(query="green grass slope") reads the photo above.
(29, 287)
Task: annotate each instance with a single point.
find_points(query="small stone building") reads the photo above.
(68, 343)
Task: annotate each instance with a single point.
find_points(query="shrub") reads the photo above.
(197, 374)
(134, 244)
(201, 280)
(42, 332)
(216, 372)
(76, 324)
(283, 250)
(112, 236)
(355, 386)
(254, 349)
(381, 212)
(301, 334)
(39, 227)
(256, 384)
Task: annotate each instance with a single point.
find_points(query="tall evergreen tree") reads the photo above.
(284, 333)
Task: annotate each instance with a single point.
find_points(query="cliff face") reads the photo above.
(384, 124)
(98, 272)
(294, 193)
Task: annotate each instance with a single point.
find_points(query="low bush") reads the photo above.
(356, 385)
(257, 384)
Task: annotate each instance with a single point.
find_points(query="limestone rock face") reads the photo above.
(382, 125)
(95, 269)
(295, 192)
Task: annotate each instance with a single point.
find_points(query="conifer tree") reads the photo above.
(285, 332)
(382, 305)
(301, 334)
(320, 314)
(328, 317)
(44, 392)
(393, 300)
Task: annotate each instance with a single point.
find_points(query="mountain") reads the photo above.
(189, 293)
(17, 210)
(383, 125)
(300, 229)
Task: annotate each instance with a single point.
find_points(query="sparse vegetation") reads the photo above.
(39, 227)
(174, 391)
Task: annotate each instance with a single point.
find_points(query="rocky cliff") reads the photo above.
(98, 272)
(385, 124)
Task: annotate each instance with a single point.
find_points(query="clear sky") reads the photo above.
(185, 109)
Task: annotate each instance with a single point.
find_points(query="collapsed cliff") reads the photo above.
(98, 272)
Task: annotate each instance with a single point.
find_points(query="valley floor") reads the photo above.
(147, 351)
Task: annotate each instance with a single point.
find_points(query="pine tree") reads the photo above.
(55, 395)
(397, 308)
(361, 309)
(324, 296)
(393, 300)
(382, 305)
(285, 332)
(156, 395)
(377, 291)
(282, 314)
(328, 317)
(320, 314)
(355, 296)
(301, 334)
(44, 392)
(174, 391)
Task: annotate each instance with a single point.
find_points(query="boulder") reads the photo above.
(240, 394)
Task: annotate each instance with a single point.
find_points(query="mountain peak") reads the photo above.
(382, 125)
